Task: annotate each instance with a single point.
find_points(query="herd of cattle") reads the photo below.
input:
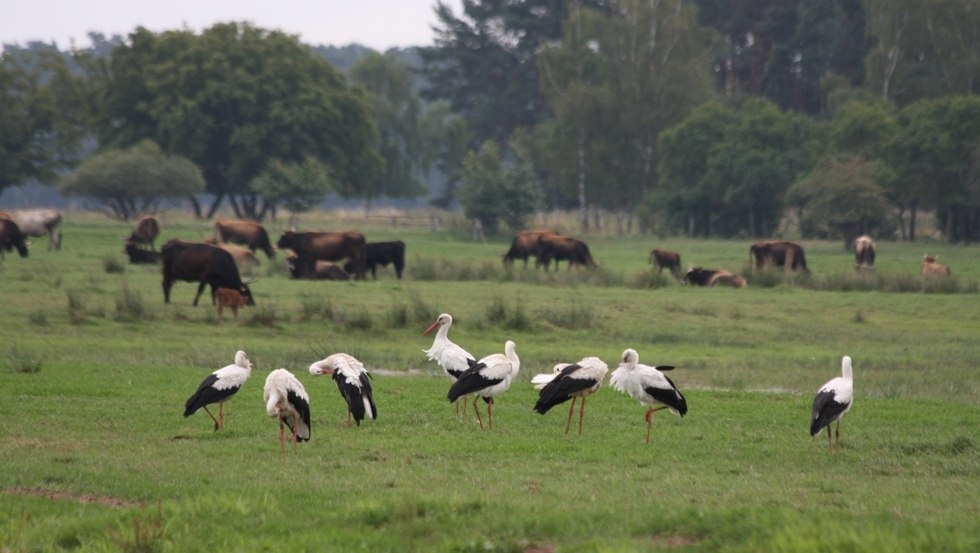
(219, 262)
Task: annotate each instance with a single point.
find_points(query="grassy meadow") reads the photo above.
(95, 369)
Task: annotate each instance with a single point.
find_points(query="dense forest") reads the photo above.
(700, 117)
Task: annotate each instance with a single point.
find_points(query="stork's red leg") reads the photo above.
(295, 433)
(649, 418)
(570, 409)
(348, 416)
(282, 438)
(221, 413)
(581, 415)
(490, 412)
(477, 411)
(837, 433)
(830, 445)
(208, 411)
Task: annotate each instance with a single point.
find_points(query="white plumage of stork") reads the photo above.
(833, 400)
(488, 378)
(218, 387)
(453, 359)
(286, 399)
(647, 385)
(570, 381)
(353, 381)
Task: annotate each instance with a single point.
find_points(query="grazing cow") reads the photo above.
(203, 263)
(564, 248)
(864, 252)
(666, 259)
(146, 231)
(232, 299)
(11, 237)
(244, 258)
(248, 233)
(698, 276)
(930, 266)
(322, 270)
(39, 222)
(525, 244)
(138, 256)
(381, 253)
(328, 246)
(779, 253)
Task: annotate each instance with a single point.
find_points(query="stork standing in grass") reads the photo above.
(353, 381)
(833, 400)
(286, 399)
(453, 359)
(570, 381)
(219, 387)
(487, 378)
(647, 385)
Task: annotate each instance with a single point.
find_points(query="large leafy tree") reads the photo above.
(483, 61)
(397, 111)
(615, 82)
(233, 99)
(126, 183)
(41, 123)
(495, 191)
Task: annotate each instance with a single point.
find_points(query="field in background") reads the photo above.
(95, 370)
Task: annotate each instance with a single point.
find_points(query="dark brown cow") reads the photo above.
(247, 233)
(328, 246)
(779, 253)
(666, 259)
(699, 276)
(864, 252)
(11, 237)
(559, 248)
(525, 244)
(138, 256)
(381, 253)
(146, 231)
(39, 222)
(203, 263)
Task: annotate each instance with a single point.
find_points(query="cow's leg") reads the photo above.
(200, 290)
(166, 291)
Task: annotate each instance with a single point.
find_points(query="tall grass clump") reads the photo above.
(38, 318)
(649, 280)
(24, 362)
(112, 265)
(397, 315)
(360, 319)
(264, 316)
(130, 307)
(147, 535)
(421, 311)
(76, 307)
(498, 313)
(575, 316)
(316, 308)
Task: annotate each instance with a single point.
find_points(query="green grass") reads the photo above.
(95, 370)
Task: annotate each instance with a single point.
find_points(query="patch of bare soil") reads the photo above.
(116, 502)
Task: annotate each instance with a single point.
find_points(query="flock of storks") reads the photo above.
(287, 400)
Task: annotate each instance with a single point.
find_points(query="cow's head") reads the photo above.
(286, 240)
(246, 292)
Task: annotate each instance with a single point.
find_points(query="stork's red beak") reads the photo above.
(431, 327)
(325, 371)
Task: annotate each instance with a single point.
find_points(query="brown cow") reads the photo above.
(779, 253)
(328, 246)
(930, 266)
(666, 259)
(864, 252)
(11, 237)
(727, 277)
(202, 263)
(247, 233)
(565, 248)
(137, 255)
(146, 231)
(230, 298)
(39, 222)
(323, 270)
(244, 258)
(525, 244)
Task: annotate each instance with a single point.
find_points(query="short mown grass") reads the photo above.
(97, 457)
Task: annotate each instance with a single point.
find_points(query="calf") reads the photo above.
(322, 270)
(931, 267)
(381, 253)
(39, 222)
(139, 256)
(666, 259)
(146, 231)
(230, 298)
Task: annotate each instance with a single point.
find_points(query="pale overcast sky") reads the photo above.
(378, 24)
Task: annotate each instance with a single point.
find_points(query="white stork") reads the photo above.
(219, 387)
(487, 378)
(647, 385)
(286, 399)
(833, 400)
(570, 381)
(353, 381)
(453, 359)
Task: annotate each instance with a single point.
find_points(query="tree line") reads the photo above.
(701, 117)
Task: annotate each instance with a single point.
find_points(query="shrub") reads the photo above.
(130, 307)
(113, 265)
